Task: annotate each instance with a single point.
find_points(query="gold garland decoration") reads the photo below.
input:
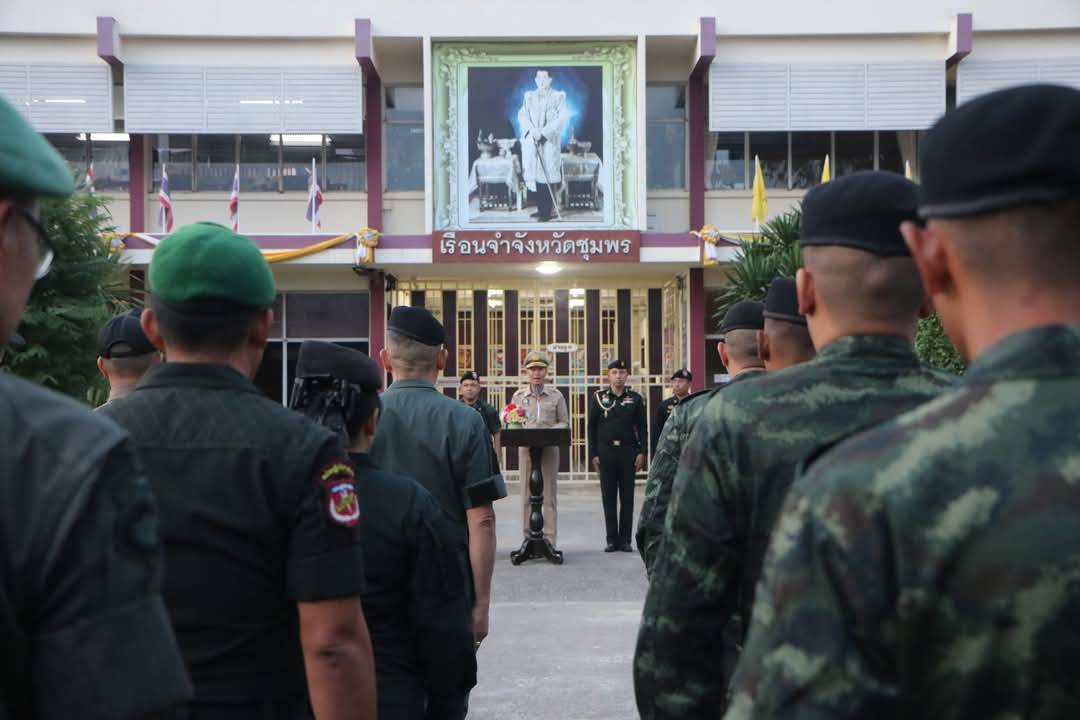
(366, 238)
(711, 237)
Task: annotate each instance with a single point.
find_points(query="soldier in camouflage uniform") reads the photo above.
(931, 566)
(862, 296)
(739, 353)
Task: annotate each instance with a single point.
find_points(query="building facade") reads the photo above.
(531, 174)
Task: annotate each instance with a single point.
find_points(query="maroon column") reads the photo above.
(562, 360)
(656, 346)
(592, 332)
(377, 317)
(365, 55)
(622, 318)
(136, 183)
(697, 111)
(511, 347)
(449, 310)
(696, 329)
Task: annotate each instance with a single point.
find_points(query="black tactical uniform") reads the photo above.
(83, 630)
(414, 600)
(617, 435)
(664, 409)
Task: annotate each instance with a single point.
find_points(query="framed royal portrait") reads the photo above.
(534, 136)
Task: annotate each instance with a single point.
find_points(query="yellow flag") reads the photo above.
(907, 171)
(760, 207)
(826, 176)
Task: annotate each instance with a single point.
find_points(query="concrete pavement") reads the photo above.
(562, 637)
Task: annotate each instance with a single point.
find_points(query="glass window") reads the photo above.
(73, 150)
(896, 148)
(665, 107)
(346, 163)
(772, 149)
(725, 161)
(111, 164)
(404, 138)
(258, 164)
(808, 151)
(215, 163)
(854, 152)
(326, 315)
(176, 150)
(297, 152)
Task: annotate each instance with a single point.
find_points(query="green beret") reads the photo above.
(207, 262)
(29, 165)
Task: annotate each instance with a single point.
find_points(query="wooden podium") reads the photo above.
(535, 545)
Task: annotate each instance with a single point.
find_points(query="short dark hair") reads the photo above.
(134, 366)
(1031, 244)
(363, 407)
(221, 331)
(742, 346)
(789, 340)
(857, 285)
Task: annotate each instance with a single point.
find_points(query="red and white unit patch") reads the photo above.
(342, 503)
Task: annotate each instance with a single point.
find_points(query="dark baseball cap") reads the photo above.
(123, 337)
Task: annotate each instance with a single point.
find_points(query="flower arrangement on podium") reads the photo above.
(513, 417)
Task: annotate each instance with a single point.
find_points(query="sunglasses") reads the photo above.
(45, 252)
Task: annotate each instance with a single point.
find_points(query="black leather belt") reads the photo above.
(265, 710)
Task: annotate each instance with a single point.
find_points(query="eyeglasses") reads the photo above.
(45, 252)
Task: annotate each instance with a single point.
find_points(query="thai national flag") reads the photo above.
(165, 214)
(314, 201)
(234, 202)
(90, 178)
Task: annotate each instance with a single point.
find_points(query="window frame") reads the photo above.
(386, 120)
(685, 122)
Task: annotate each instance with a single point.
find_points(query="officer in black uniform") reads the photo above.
(83, 631)
(414, 600)
(470, 395)
(680, 387)
(259, 511)
(617, 439)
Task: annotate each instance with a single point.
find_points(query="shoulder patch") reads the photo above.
(337, 480)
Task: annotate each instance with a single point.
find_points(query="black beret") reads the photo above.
(470, 376)
(616, 365)
(123, 337)
(862, 210)
(1012, 147)
(682, 374)
(743, 315)
(325, 359)
(782, 302)
(417, 323)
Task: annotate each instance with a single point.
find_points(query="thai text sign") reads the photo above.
(533, 245)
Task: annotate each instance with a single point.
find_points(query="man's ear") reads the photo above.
(260, 329)
(931, 256)
(441, 358)
(764, 347)
(806, 291)
(150, 327)
(103, 369)
(371, 423)
(721, 347)
(384, 357)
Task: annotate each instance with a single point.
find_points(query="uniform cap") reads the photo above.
(782, 302)
(325, 359)
(536, 359)
(29, 165)
(616, 365)
(682, 374)
(123, 337)
(862, 210)
(418, 324)
(1012, 147)
(470, 376)
(204, 266)
(743, 315)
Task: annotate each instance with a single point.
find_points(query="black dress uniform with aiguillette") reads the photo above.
(618, 433)
(83, 631)
(258, 504)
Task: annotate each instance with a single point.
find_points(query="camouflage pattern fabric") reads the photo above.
(931, 566)
(664, 464)
(733, 476)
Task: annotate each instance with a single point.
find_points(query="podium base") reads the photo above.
(536, 549)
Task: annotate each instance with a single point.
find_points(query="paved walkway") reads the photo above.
(562, 637)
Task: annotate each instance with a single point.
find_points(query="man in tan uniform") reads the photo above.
(545, 407)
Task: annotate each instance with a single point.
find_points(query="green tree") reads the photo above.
(934, 348)
(68, 306)
(775, 253)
